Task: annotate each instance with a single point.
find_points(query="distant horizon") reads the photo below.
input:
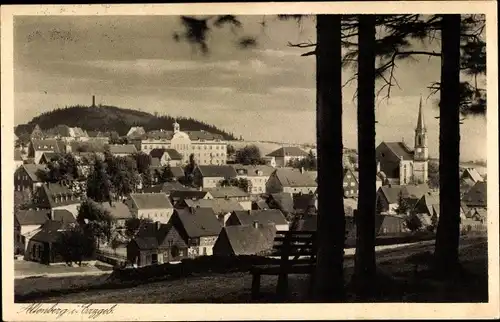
(236, 135)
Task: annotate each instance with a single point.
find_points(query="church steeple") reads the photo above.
(420, 135)
(420, 122)
(177, 127)
(421, 152)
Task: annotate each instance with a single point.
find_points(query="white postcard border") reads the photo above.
(136, 312)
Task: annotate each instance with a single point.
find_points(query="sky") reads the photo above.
(262, 93)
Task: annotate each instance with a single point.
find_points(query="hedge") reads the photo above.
(190, 266)
(242, 263)
(402, 238)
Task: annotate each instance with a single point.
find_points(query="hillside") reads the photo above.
(112, 118)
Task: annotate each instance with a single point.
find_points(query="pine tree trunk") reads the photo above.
(329, 277)
(448, 231)
(365, 216)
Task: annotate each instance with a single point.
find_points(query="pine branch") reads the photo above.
(302, 45)
(417, 52)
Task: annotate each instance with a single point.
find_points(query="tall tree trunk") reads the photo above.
(448, 231)
(329, 277)
(365, 216)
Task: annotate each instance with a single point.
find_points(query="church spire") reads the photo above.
(177, 127)
(420, 121)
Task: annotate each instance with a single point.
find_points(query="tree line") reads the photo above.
(111, 118)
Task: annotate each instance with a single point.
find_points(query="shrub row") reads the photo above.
(190, 266)
(402, 238)
(229, 264)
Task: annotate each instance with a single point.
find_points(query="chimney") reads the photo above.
(93, 100)
(256, 224)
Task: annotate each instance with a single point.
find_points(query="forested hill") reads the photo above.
(111, 118)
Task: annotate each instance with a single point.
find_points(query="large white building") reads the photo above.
(207, 148)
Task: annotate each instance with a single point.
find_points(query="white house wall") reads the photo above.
(162, 215)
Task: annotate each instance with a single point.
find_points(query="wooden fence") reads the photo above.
(110, 257)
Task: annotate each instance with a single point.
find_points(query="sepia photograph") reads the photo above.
(274, 156)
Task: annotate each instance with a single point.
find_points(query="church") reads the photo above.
(400, 164)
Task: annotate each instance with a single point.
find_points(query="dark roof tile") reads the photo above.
(400, 149)
(288, 151)
(218, 171)
(151, 200)
(294, 178)
(230, 192)
(122, 149)
(218, 206)
(263, 217)
(249, 240)
(32, 217)
(199, 222)
(64, 216)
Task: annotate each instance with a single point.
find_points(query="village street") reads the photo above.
(27, 269)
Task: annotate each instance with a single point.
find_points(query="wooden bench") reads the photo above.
(297, 255)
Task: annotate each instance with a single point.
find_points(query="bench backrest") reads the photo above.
(299, 244)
